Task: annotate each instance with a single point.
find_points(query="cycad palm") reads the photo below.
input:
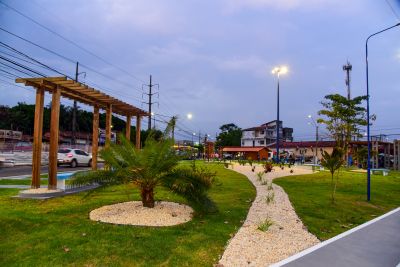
(156, 164)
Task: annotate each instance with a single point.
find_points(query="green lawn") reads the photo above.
(310, 196)
(20, 181)
(58, 232)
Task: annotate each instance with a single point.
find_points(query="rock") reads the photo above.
(174, 214)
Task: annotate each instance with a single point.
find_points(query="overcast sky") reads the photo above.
(214, 58)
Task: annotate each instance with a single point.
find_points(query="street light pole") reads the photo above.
(277, 123)
(316, 138)
(368, 119)
(278, 71)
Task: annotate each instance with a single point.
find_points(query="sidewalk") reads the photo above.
(374, 243)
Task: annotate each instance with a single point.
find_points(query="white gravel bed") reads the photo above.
(286, 236)
(42, 190)
(133, 213)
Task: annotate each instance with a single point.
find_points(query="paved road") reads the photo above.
(375, 243)
(27, 170)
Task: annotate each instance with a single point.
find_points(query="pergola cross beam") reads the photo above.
(63, 87)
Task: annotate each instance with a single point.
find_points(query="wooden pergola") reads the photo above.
(64, 87)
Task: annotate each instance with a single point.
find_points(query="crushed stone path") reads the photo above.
(286, 236)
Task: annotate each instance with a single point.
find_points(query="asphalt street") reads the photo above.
(27, 170)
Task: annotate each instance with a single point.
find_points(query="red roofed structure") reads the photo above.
(254, 153)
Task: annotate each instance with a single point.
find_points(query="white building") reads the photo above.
(265, 134)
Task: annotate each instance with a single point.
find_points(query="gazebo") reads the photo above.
(64, 87)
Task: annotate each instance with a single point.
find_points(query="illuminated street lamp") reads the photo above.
(278, 71)
(189, 116)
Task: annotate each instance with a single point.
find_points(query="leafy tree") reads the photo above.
(343, 117)
(361, 155)
(156, 164)
(333, 162)
(230, 135)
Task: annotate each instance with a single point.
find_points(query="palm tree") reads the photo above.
(156, 164)
(333, 162)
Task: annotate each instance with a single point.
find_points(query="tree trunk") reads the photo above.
(147, 195)
(333, 190)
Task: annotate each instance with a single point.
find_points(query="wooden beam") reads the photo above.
(54, 130)
(108, 124)
(37, 138)
(53, 79)
(95, 137)
(128, 127)
(138, 124)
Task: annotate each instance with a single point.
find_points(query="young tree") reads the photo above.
(343, 118)
(333, 162)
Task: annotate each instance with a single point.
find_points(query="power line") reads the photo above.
(392, 9)
(71, 42)
(65, 58)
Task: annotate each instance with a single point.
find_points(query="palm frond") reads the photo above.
(193, 186)
(101, 177)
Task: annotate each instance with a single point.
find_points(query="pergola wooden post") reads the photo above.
(95, 137)
(62, 86)
(37, 138)
(138, 124)
(108, 124)
(128, 127)
(54, 130)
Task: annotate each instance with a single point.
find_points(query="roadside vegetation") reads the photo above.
(311, 196)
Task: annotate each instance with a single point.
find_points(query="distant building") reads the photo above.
(265, 134)
(253, 153)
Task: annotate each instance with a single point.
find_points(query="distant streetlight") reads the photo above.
(189, 116)
(278, 71)
(368, 123)
(315, 124)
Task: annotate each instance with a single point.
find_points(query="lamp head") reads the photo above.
(280, 70)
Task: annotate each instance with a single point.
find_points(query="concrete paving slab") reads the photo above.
(375, 243)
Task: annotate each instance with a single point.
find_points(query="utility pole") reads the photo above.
(199, 144)
(150, 103)
(347, 68)
(73, 139)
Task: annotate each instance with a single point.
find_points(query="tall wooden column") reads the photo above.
(54, 130)
(128, 127)
(138, 124)
(108, 124)
(37, 138)
(95, 137)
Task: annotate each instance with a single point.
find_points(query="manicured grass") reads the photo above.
(311, 198)
(58, 232)
(20, 181)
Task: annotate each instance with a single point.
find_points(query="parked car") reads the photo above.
(73, 157)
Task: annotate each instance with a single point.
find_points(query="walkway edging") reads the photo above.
(326, 242)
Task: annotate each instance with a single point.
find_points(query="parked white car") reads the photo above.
(73, 157)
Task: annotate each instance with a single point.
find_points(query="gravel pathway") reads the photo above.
(286, 236)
